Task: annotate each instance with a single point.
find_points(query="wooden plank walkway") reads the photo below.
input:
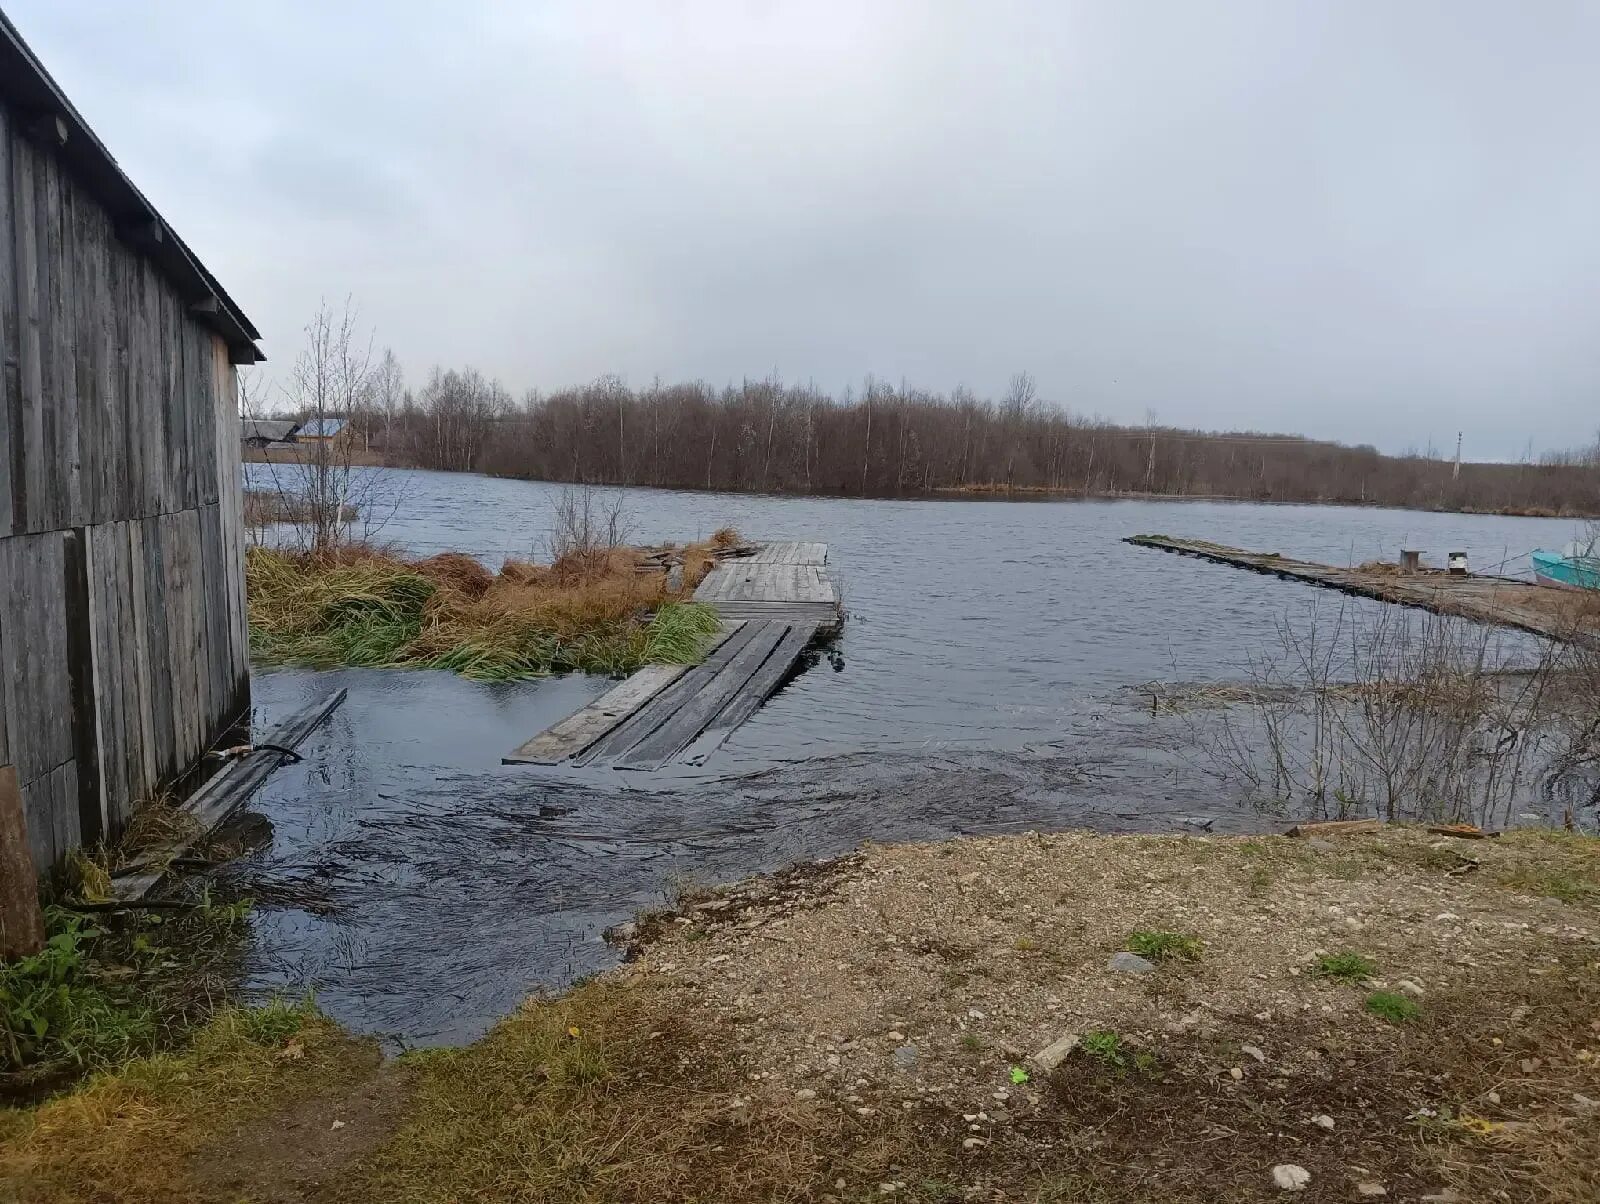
(1502, 601)
(773, 603)
(220, 796)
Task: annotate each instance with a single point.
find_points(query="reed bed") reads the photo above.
(593, 611)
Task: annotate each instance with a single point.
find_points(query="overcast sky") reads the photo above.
(1373, 221)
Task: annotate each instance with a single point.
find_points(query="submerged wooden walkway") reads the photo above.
(1505, 601)
(773, 603)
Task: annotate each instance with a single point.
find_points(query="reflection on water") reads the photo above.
(982, 685)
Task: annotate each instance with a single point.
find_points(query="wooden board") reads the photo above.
(224, 793)
(666, 703)
(21, 921)
(742, 581)
(789, 553)
(761, 686)
(715, 692)
(582, 728)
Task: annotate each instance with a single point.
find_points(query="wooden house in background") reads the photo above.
(123, 646)
(324, 432)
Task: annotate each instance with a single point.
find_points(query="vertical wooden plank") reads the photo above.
(155, 634)
(78, 654)
(21, 921)
(29, 489)
(146, 774)
(64, 808)
(10, 418)
(152, 416)
(64, 329)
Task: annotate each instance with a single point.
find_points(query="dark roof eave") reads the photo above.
(27, 86)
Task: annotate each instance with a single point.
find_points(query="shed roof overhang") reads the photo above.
(48, 118)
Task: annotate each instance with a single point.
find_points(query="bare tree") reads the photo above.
(326, 496)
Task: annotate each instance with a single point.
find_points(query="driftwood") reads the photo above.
(1465, 831)
(1336, 827)
(21, 921)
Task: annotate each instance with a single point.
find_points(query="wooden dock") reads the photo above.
(773, 603)
(1503, 601)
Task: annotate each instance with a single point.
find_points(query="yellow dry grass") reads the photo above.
(128, 1137)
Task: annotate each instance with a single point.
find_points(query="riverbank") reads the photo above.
(593, 609)
(1385, 1014)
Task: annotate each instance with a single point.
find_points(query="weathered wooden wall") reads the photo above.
(123, 648)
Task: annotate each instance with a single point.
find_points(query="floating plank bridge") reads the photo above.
(1506, 601)
(773, 603)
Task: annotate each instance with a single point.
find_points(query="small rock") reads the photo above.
(1445, 917)
(1493, 1097)
(1052, 1055)
(622, 933)
(1322, 1120)
(1584, 1103)
(1130, 963)
(897, 1036)
(338, 1124)
(1236, 1073)
(1371, 1187)
(1290, 1177)
(1410, 986)
(973, 1143)
(905, 1057)
(1253, 1052)
(805, 1093)
(1321, 845)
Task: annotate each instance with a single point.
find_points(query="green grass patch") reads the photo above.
(370, 609)
(1165, 946)
(54, 1012)
(1566, 886)
(107, 989)
(1345, 966)
(1393, 1006)
(1107, 1047)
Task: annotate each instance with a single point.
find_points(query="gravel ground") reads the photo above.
(932, 977)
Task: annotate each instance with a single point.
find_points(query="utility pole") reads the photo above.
(1456, 475)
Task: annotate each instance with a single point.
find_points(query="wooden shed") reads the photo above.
(123, 645)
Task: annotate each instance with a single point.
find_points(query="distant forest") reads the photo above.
(766, 436)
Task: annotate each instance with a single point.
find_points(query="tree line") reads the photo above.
(883, 441)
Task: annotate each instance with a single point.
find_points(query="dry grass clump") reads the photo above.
(591, 611)
(127, 1137)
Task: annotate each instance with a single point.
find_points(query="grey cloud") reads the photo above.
(1369, 222)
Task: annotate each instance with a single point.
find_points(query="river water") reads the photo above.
(986, 681)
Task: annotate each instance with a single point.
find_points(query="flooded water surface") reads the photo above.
(986, 681)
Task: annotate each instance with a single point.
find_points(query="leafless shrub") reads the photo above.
(1399, 714)
(335, 499)
(587, 525)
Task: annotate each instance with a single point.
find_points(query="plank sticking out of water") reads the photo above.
(666, 702)
(689, 720)
(757, 690)
(223, 793)
(582, 728)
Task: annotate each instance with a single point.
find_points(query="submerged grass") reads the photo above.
(593, 612)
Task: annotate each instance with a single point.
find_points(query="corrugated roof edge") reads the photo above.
(50, 117)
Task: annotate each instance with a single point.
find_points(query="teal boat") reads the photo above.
(1576, 567)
